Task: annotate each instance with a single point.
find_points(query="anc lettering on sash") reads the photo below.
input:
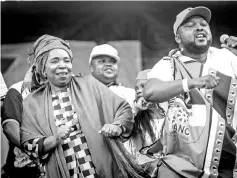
(187, 127)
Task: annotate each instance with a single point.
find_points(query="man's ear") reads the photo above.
(91, 69)
(177, 38)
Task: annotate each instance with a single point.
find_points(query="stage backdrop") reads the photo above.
(14, 65)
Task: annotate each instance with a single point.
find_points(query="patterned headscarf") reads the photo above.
(39, 51)
(38, 54)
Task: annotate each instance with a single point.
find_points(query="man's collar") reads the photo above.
(184, 59)
(113, 84)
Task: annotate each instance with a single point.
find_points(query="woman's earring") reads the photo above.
(181, 49)
(45, 75)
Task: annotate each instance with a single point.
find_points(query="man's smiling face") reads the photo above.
(104, 68)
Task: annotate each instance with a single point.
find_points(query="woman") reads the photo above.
(148, 120)
(147, 127)
(64, 120)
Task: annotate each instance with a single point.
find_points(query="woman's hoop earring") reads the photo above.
(45, 75)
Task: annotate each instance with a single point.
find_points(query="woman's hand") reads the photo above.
(63, 132)
(51, 142)
(111, 130)
(142, 104)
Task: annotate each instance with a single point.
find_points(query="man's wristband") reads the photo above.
(122, 128)
(185, 85)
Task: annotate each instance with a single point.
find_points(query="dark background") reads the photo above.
(149, 22)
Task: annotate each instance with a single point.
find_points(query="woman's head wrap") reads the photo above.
(38, 54)
(142, 75)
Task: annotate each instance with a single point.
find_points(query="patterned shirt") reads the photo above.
(12, 111)
(126, 93)
(75, 148)
(3, 87)
(134, 144)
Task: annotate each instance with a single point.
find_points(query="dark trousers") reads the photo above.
(26, 172)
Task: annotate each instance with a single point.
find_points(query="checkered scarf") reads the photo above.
(38, 122)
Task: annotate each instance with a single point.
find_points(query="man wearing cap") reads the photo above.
(103, 64)
(199, 83)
